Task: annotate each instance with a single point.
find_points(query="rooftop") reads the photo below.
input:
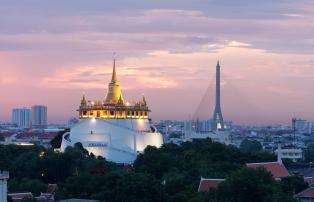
(278, 170)
(308, 193)
(206, 184)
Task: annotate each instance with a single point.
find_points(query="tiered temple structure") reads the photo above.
(114, 106)
(113, 128)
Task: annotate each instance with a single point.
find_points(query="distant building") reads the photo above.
(4, 176)
(302, 125)
(294, 154)
(216, 136)
(21, 117)
(39, 116)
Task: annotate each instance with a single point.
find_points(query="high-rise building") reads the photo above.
(218, 119)
(39, 116)
(21, 117)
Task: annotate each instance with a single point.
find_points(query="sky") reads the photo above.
(51, 52)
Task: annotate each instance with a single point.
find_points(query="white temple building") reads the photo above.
(114, 129)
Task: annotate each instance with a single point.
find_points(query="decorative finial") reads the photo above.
(83, 101)
(120, 101)
(143, 102)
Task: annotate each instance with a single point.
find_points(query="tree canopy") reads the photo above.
(250, 146)
(170, 173)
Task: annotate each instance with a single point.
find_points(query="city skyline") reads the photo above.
(166, 51)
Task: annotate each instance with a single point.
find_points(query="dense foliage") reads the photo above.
(250, 146)
(56, 141)
(170, 173)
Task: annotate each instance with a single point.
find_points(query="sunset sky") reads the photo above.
(51, 52)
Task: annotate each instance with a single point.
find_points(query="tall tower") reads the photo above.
(218, 119)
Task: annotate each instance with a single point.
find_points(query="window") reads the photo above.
(111, 113)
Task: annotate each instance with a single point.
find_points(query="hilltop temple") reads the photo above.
(113, 128)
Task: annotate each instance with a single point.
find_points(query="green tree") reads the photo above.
(247, 185)
(27, 185)
(250, 146)
(9, 199)
(293, 184)
(57, 140)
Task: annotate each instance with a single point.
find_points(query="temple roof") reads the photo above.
(278, 170)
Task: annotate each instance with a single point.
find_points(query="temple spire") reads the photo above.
(114, 90)
(114, 74)
(143, 102)
(83, 101)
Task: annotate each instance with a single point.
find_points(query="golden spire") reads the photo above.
(114, 74)
(83, 101)
(114, 90)
(143, 102)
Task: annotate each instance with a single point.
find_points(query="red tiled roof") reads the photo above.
(19, 196)
(7, 134)
(308, 193)
(206, 184)
(278, 170)
(28, 135)
(308, 180)
(44, 197)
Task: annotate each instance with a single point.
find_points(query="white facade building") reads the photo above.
(39, 116)
(113, 128)
(117, 140)
(21, 117)
(216, 136)
(4, 176)
(294, 154)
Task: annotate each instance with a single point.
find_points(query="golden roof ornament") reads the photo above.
(83, 101)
